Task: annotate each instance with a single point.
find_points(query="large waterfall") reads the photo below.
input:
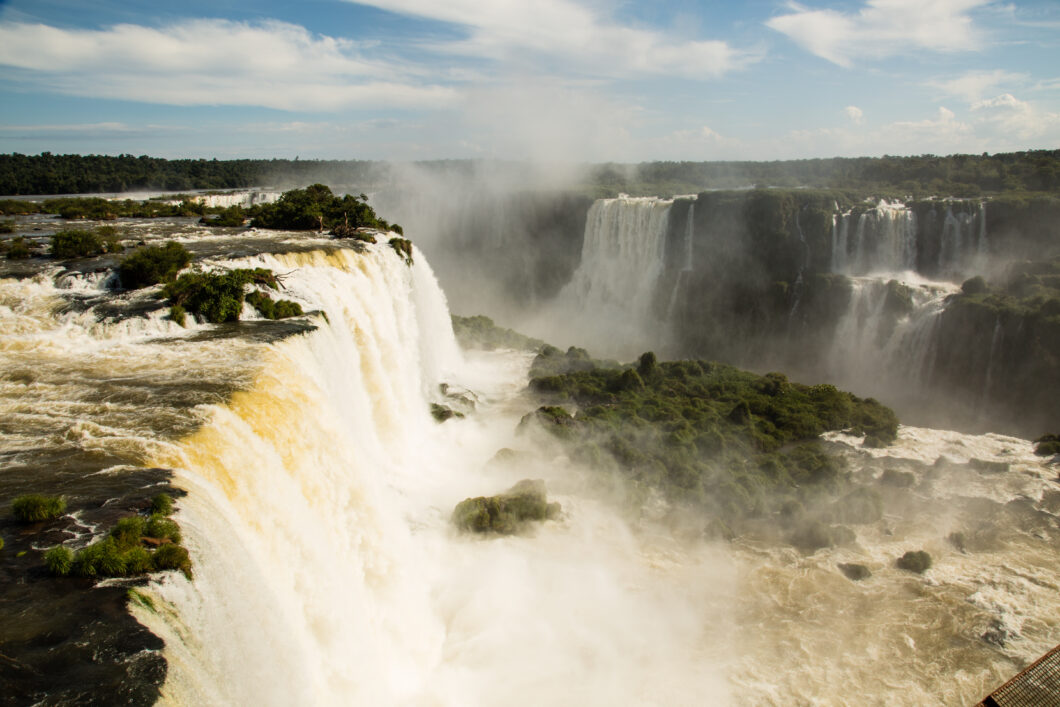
(319, 490)
(611, 303)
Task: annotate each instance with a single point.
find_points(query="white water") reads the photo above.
(327, 572)
(609, 303)
(875, 351)
(326, 569)
(883, 238)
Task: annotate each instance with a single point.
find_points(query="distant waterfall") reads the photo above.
(881, 239)
(884, 341)
(609, 304)
(963, 243)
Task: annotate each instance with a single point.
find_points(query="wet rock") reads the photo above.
(914, 561)
(506, 513)
(985, 466)
(813, 536)
(441, 413)
(854, 572)
(898, 479)
(1050, 502)
(860, 506)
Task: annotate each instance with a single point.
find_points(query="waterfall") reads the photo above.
(884, 240)
(609, 304)
(963, 243)
(687, 266)
(883, 344)
(326, 571)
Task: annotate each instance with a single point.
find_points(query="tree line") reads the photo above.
(966, 176)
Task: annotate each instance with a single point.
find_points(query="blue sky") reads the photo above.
(554, 80)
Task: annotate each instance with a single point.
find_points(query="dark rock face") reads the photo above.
(506, 513)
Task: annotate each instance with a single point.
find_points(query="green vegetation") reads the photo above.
(134, 546)
(218, 297)
(162, 504)
(315, 208)
(34, 508)
(707, 434)
(479, 332)
(441, 413)
(953, 175)
(79, 243)
(233, 216)
(18, 248)
(59, 560)
(273, 309)
(914, 561)
(1047, 445)
(506, 513)
(178, 314)
(403, 248)
(153, 264)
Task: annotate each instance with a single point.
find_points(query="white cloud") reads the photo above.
(565, 35)
(856, 115)
(973, 85)
(882, 28)
(212, 62)
(1019, 118)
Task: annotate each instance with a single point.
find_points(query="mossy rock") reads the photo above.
(506, 513)
(1047, 445)
(854, 572)
(441, 413)
(914, 561)
(813, 536)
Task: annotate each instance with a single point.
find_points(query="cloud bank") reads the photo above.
(882, 28)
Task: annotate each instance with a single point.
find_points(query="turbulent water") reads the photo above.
(319, 490)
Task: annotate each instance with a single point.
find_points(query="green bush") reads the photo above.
(217, 297)
(162, 528)
(403, 248)
(231, 217)
(316, 208)
(178, 314)
(18, 248)
(162, 504)
(33, 508)
(76, 244)
(172, 557)
(128, 531)
(153, 264)
(273, 309)
(508, 512)
(59, 560)
(103, 558)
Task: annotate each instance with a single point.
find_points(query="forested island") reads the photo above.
(952, 175)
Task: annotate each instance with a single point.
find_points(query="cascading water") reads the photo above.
(319, 491)
(883, 342)
(963, 243)
(609, 303)
(881, 239)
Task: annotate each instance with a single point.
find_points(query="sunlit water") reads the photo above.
(327, 572)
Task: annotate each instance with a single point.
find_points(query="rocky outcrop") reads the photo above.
(506, 513)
